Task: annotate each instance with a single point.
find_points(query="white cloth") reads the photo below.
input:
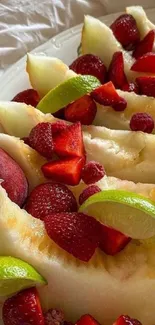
(25, 24)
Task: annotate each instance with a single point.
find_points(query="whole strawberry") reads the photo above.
(28, 96)
(50, 198)
(90, 64)
(40, 139)
(23, 309)
(126, 31)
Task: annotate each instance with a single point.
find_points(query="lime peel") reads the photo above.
(16, 275)
(67, 92)
(125, 211)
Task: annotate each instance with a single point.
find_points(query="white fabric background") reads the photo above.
(25, 24)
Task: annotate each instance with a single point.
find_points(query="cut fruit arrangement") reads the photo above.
(77, 201)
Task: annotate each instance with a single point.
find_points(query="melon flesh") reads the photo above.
(125, 281)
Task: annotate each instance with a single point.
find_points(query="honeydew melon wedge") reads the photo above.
(46, 73)
(106, 116)
(124, 154)
(98, 39)
(125, 281)
(143, 23)
(27, 158)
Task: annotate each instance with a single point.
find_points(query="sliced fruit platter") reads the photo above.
(77, 194)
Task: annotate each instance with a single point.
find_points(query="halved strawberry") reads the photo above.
(146, 85)
(41, 139)
(145, 45)
(131, 86)
(145, 63)
(87, 320)
(83, 110)
(23, 308)
(116, 70)
(28, 96)
(126, 320)
(107, 95)
(112, 241)
(126, 31)
(67, 171)
(69, 143)
(76, 233)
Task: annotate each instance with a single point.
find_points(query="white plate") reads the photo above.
(63, 46)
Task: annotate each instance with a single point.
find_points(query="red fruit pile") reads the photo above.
(146, 63)
(29, 97)
(106, 95)
(24, 308)
(142, 122)
(13, 179)
(90, 64)
(126, 31)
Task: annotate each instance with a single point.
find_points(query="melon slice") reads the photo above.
(125, 281)
(143, 23)
(98, 39)
(124, 154)
(27, 158)
(46, 72)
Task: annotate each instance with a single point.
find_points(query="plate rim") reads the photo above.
(55, 40)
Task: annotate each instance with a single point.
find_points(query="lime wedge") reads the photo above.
(130, 213)
(16, 275)
(67, 92)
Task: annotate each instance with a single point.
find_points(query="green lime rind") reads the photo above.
(128, 212)
(16, 275)
(67, 92)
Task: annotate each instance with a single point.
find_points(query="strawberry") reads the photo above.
(59, 114)
(54, 317)
(40, 139)
(67, 170)
(145, 63)
(58, 127)
(126, 31)
(116, 70)
(92, 172)
(142, 122)
(29, 97)
(131, 86)
(83, 110)
(146, 85)
(112, 241)
(23, 308)
(26, 140)
(76, 233)
(87, 192)
(106, 95)
(90, 64)
(50, 198)
(87, 320)
(145, 45)
(69, 143)
(126, 320)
